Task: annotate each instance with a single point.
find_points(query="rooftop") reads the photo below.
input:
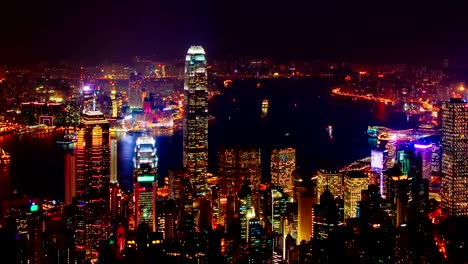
(196, 50)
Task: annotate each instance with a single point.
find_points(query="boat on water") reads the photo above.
(329, 129)
(137, 131)
(34, 129)
(4, 156)
(67, 139)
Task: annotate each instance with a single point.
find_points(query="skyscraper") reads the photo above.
(115, 193)
(195, 141)
(70, 178)
(134, 90)
(354, 183)
(333, 181)
(283, 164)
(92, 182)
(426, 156)
(237, 165)
(146, 181)
(454, 157)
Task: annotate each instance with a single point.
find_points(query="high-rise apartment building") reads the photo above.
(195, 140)
(455, 157)
(283, 164)
(92, 183)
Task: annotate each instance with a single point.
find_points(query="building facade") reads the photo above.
(145, 175)
(454, 158)
(354, 183)
(92, 183)
(283, 164)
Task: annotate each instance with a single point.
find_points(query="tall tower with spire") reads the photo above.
(195, 140)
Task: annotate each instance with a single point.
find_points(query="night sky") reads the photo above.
(94, 31)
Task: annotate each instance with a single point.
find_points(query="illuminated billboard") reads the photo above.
(376, 160)
(145, 178)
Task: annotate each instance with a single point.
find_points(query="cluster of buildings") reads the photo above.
(377, 210)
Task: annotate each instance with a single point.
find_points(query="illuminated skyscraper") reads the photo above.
(135, 87)
(195, 141)
(454, 157)
(325, 217)
(70, 178)
(283, 164)
(236, 166)
(426, 156)
(88, 100)
(354, 183)
(92, 182)
(279, 202)
(115, 104)
(305, 200)
(115, 192)
(333, 181)
(146, 181)
(246, 211)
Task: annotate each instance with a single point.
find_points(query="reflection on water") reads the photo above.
(37, 162)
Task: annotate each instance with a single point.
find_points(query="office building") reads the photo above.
(354, 183)
(283, 164)
(236, 166)
(333, 181)
(279, 201)
(92, 183)
(246, 211)
(305, 200)
(425, 150)
(115, 192)
(454, 158)
(88, 99)
(145, 174)
(195, 135)
(135, 87)
(70, 178)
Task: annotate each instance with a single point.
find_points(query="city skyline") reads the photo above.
(322, 149)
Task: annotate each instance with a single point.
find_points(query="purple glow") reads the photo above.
(86, 88)
(376, 159)
(419, 146)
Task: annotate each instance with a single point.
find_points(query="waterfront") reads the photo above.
(298, 117)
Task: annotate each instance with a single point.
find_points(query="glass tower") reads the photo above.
(92, 183)
(454, 158)
(195, 140)
(145, 173)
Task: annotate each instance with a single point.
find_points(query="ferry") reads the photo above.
(67, 139)
(131, 132)
(329, 129)
(34, 129)
(4, 156)
(145, 152)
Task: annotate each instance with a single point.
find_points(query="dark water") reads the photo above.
(301, 109)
